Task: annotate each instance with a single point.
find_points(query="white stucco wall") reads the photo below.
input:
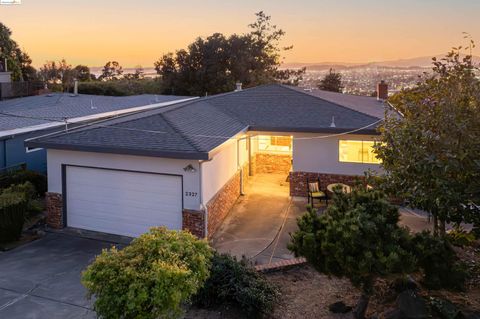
(322, 155)
(191, 180)
(230, 157)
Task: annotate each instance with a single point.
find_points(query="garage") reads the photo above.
(121, 202)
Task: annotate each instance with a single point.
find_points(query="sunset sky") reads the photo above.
(137, 32)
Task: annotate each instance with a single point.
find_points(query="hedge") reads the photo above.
(13, 207)
(38, 180)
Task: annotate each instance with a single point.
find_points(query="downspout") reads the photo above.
(250, 155)
(4, 153)
(240, 168)
(200, 191)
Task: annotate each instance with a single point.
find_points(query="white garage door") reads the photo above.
(120, 202)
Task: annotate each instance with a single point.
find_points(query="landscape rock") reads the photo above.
(339, 307)
(444, 308)
(393, 314)
(471, 315)
(411, 305)
(404, 283)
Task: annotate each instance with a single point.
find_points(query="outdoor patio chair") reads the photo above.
(314, 192)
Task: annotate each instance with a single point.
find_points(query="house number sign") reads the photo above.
(191, 194)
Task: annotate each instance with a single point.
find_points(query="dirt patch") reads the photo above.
(305, 293)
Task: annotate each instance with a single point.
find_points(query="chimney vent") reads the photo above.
(382, 91)
(239, 86)
(75, 87)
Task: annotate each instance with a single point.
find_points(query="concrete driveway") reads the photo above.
(258, 225)
(41, 280)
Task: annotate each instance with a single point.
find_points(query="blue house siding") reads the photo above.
(2, 154)
(17, 154)
(13, 152)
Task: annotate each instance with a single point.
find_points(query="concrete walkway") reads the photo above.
(252, 228)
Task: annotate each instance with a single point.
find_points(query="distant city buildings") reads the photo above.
(363, 80)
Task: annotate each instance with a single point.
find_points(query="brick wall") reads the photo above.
(219, 206)
(272, 163)
(194, 221)
(54, 203)
(298, 181)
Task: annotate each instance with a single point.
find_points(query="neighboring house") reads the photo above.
(28, 117)
(183, 166)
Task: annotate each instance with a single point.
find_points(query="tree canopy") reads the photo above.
(112, 70)
(214, 64)
(18, 61)
(331, 82)
(431, 154)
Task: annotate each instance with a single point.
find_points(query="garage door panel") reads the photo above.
(127, 199)
(104, 212)
(122, 202)
(139, 183)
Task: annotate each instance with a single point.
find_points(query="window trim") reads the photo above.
(31, 150)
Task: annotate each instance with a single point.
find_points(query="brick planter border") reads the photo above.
(280, 265)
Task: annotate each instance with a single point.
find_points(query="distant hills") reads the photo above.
(418, 62)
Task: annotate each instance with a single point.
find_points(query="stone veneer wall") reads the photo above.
(54, 203)
(219, 206)
(194, 222)
(298, 181)
(272, 163)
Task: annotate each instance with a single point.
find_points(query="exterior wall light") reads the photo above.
(189, 169)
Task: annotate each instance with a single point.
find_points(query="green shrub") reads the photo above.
(357, 237)
(440, 265)
(460, 237)
(151, 277)
(12, 216)
(236, 283)
(38, 180)
(121, 87)
(27, 191)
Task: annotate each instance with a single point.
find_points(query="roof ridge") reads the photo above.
(211, 97)
(346, 94)
(319, 98)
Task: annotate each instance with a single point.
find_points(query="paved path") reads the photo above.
(41, 280)
(256, 219)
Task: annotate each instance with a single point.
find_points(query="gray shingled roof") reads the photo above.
(365, 104)
(194, 129)
(278, 107)
(42, 109)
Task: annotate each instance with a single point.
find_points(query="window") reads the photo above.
(357, 152)
(274, 144)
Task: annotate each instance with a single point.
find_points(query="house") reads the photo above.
(33, 116)
(183, 166)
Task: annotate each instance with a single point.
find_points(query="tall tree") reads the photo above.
(137, 75)
(213, 64)
(60, 73)
(431, 155)
(82, 73)
(331, 82)
(111, 71)
(18, 61)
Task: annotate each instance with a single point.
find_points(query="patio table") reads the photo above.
(345, 188)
